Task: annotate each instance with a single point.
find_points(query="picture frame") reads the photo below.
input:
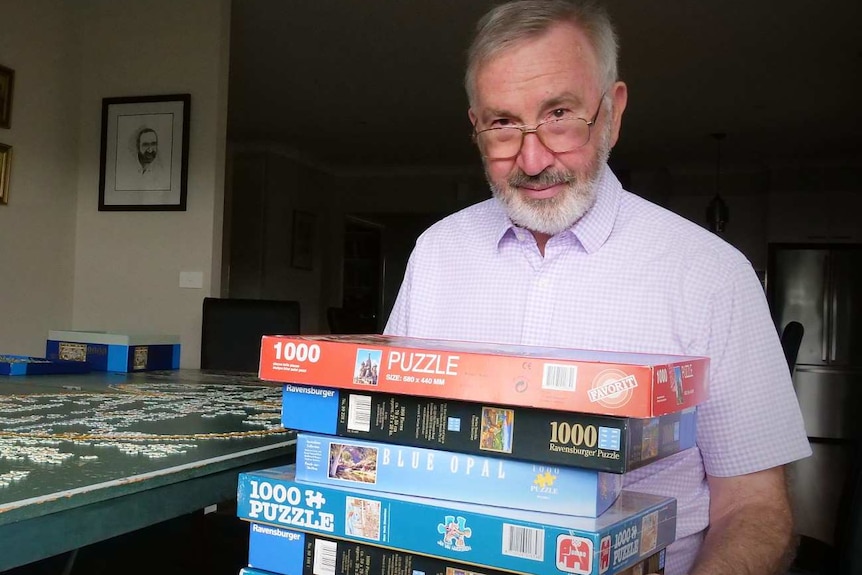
(144, 162)
(7, 83)
(303, 240)
(5, 172)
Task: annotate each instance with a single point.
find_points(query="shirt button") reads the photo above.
(543, 283)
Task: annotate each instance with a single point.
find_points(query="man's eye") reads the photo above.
(501, 122)
(560, 113)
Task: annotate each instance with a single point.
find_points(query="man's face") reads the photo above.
(531, 82)
(148, 147)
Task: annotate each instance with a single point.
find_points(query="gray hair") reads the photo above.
(508, 24)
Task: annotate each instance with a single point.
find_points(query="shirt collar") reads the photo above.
(592, 230)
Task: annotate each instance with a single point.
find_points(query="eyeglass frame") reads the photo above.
(524, 129)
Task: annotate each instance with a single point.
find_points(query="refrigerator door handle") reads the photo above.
(833, 324)
(826, 334)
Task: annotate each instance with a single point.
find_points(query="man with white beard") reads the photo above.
(562, 256)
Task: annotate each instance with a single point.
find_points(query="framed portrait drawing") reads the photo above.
(5, 172)
(7, 82)
(145, 153)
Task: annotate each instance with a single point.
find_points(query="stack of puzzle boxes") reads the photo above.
(443, 457)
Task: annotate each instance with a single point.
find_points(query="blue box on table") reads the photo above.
(106, 351)
(633, 528)
(27, 365)
(288, 552)
(379, 466)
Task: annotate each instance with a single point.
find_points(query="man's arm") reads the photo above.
(750, 526)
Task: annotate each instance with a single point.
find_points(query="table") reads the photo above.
(86, 457)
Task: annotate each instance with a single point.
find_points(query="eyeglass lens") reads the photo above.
(559, 136)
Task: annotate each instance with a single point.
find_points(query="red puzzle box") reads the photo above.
(601, 382)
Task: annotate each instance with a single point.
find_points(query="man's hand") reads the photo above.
(750, 526)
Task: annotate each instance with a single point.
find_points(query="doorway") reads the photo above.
(362, 279)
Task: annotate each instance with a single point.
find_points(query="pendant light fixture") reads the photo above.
(717, 213)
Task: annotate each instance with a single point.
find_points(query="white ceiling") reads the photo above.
(366, 84)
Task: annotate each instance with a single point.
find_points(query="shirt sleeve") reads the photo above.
(397, 323)
(752, 419)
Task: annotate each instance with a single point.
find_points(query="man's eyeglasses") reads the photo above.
(559, 135)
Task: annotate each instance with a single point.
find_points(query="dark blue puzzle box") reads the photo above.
(26, 365)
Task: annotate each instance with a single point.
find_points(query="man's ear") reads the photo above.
(619, 97)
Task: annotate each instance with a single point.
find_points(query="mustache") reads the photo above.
(542, 179)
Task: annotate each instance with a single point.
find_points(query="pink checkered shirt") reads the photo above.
(629, 276)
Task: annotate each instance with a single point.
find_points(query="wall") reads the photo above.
(127, 264)
(269, 182)
(816, 204)
(267, 187)
(744, 191)
(803, 202)
(65, 264)
(766, 204)
(37, 226)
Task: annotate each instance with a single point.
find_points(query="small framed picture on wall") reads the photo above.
(5, 172)
(7, 82)
(145, 153)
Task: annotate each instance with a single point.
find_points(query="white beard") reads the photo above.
(553, 215)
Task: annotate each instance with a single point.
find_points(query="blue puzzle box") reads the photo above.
(287, 552)
(633, 528)
(27, 365)
(105, 351)
(379, 466)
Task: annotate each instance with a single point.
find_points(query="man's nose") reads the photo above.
(534, 156)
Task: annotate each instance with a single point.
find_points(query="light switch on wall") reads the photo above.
(191, 279)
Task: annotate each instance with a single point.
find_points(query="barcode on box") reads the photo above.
(526, 542)
(359, 413)
(561, 377)
(325, 553)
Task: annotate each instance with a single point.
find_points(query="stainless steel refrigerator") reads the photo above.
(820, 286)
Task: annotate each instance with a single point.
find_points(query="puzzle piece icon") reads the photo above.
(454, 530)
(545, 479)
